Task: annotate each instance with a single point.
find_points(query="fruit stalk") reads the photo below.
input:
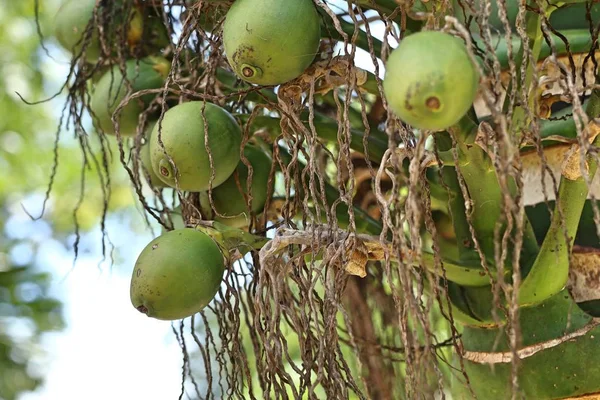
(549, 273)
(231, 239)
(481, 184)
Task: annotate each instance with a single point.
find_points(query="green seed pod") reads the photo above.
(183, 135)
(111, 89)
(72, 19)
(269, 42)
(227, 198)
(430, 82)
(176, 275)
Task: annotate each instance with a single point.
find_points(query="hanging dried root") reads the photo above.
(352, 251)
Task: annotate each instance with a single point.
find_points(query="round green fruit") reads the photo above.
(177, 275)
(227, 198)
(269, 42)
(183, 135)
(430, 82)
(111, 89)
(73, 18)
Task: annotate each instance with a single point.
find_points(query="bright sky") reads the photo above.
(108, 350)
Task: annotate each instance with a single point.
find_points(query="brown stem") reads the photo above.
(378, 375)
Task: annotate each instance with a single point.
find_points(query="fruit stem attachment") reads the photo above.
(481, 185)
(550, 270)
(230, 239)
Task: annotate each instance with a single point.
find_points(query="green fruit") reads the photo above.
(183, 136)
(146, 163)
(176, 275)
(430, 82)
(111, 89)
(227, 198)
(269, 42)
(73, 18)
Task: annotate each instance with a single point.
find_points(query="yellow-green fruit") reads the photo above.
(176, 275)
(73, 18)
(269, 42)
(227, 198)
(111, 89)
(430, 81)
(146, 163)
(183, 135)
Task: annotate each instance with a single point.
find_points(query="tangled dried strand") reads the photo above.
(293, 293)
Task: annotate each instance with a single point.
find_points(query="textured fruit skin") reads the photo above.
(269, 42)
(227, 198)
(145, 34)
(176, 275)
(430, 82)
(111, 89)
(72, 19)
(146, 163)
(183, 136)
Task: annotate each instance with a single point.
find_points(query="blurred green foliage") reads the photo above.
(26, 311)
(27, 137)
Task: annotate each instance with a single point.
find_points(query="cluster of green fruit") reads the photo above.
(78, 27)
(196, 145)
(430, 83)
(179, 272)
